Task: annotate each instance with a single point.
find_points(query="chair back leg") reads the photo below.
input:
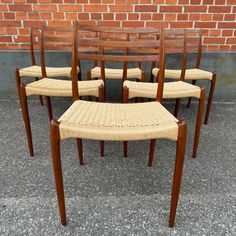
(49, 107)
(190, 98)
(210, 97)
(199, 122)
(151, 151)
(80, 150)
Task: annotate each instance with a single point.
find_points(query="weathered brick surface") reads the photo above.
(217, 18)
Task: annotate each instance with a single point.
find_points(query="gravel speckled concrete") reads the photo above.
(116, 195)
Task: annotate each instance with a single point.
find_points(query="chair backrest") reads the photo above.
(55, 38)
(135, 50)
(34, 41)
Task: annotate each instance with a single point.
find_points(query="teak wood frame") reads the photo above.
(56, 139)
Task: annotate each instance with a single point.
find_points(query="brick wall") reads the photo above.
(216, 17)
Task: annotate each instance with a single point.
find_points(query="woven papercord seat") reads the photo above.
(190, 74)
(107, 121)
(36, 71)
(63, 88)
(178, 89)
(133, 73)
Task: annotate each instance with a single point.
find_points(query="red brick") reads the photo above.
(121, 8)
(195, 9)
(132, 24)
(220, 2)
(145, 8)
(3, 7)
(157, 16)
(96, 16)
(183, 1)
(205, 24)
(231, 41)
(45, 15)
(145, 2)
(69, 1)
(34, 23)
(224, 48)
(21, 15)
(11, 31)
(195, 2)
(218, 17)
(83, 16)
(95, 1)
(219, 9)
(33, 16)
(229, 17)
(71, 16)
(120, 16)
(24, 31)
(6, 39)
(20, 7)
(170, 1)
(215, 32)
(181, 24)
(182, 16)
(58, 16)
(70, 8)
(45, 7)
(146, 16)
(120, 1)
(133, 16)
(108, 1)
(19, 1)
(108, 16)
(8, 15)
(233, 48)
(95, 8)
(158, 1)
(230, 25)
(110, 23)
(8, 23)
(206, 17)
(21, 39)
(207, 2)
(59, 23)
(214, 40)
(170, 9)
(193, 16)
(231, 2)
(157, 24)
(170, 16)
(227, 32)
(213, 48)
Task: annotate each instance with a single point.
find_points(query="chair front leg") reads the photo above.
(178, 169)
(101, 98)
(210, 97)
(190, 98)
(151, 151)
(80, 150)
(89, 78)
(49, 107)
(25, 114)
(199, 121)
(56, 159)
(125, 100)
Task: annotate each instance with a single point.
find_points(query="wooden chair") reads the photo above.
(35, 70)
(194, 74)
(118, 122)
(53, 39)
(175, 42)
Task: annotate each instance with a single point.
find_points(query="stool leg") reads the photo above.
(210, 97)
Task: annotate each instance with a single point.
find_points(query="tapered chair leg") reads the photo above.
(151, 151)
(177, 104)
(56, 159)
(210, 97)
(190, 98)
(199, 121)
(179, 163)
(25, 113)
(102, 148)
(40, 97)
(125, 100)
(80, 150)
(49, 107)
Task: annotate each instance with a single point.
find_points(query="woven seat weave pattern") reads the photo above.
(108, 121)
(35, 71)
(190, 74)
(178, 89)
(133, 73)
(57, 87)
